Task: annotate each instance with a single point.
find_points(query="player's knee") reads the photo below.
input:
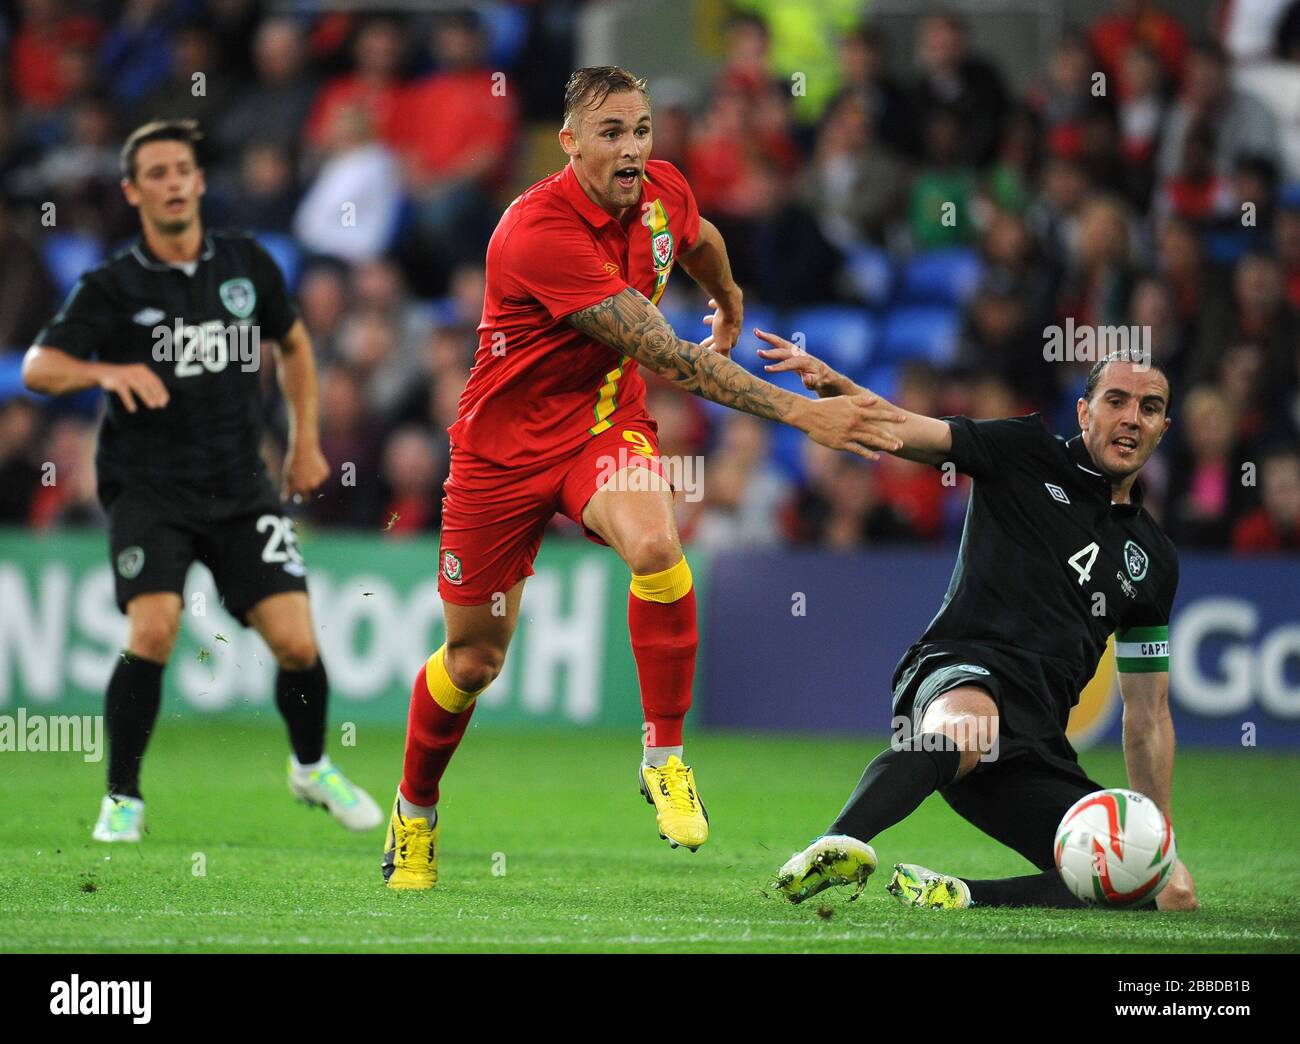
(473, 667)
(296, 652)
(153, 636)
(653, 553)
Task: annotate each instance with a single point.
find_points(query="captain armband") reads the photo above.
(1142, 650)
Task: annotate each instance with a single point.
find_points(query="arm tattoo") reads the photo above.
(629, 323)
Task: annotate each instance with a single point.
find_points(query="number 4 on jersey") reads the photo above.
(1084, 569)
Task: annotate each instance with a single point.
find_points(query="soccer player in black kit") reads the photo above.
(1057, 553)
(170, 329)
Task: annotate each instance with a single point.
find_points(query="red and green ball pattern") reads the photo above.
(1115, 848)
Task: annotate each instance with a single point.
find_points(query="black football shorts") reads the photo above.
(249, 547)
(1020, 795)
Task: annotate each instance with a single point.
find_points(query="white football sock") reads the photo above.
(657, 757)
(407, 810)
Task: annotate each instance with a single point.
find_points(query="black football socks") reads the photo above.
(896, 782)
(302, 697)
(1045, 889)
(130, 709)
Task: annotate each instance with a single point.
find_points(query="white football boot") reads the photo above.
(326, 787)
(120, 819)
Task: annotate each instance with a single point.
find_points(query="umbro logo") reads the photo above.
(149, 316)
(1057, 493)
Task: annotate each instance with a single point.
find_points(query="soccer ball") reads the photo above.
(1115, 848)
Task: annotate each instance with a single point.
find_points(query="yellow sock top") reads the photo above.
(442, 688)
(667, 585)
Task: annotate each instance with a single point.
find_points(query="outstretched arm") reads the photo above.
(1149, 759)
(630, 324)
(920, 438)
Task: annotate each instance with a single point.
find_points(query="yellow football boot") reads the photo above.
(410, 852)
(831, 860)
(917, 886)
(680, 812)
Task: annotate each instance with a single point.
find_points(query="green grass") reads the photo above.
(583, 867)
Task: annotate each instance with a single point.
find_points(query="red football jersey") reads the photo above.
(540, 388)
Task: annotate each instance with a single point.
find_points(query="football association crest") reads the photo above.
(451, 568)
(239, 297)
(662, 246)
(1135, 560)
(130, 561)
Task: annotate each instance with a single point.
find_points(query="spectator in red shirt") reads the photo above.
(35, 65)
(745, 68)
(374, 85)
(1197, 193)
(1274, 527)
(457, 128)
(1138, 22)
(905, 485)
(414, 468)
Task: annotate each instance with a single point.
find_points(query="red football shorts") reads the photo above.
(493, 517)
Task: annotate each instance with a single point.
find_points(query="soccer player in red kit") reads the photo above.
(554, 419)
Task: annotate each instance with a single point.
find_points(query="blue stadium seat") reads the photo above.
(687, 322)
(286, 253)
(941, 277)
(68, 255)
(927, 332)
(747, 345)
(881, 379)
(11, 374)
(871, 271)
(506, 29)
(844, 336)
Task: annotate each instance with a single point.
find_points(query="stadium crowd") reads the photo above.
(921, 224)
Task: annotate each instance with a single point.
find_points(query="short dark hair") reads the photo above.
(748, 19)
(1129, 355)
(588, 88)
(1279, 449)
(186, 131)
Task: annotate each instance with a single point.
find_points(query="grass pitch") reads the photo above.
(547, 846)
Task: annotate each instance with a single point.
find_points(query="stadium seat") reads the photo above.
(67, 255)
(506, 28)
(940, 277)
(286, 253)
(747, 345)
(927, 332)
(871, 273)
(11, 374)
(844, 336)
(687, 322)
(881, 379)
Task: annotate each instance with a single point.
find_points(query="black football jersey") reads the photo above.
(1048, 566)
(207, 335)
